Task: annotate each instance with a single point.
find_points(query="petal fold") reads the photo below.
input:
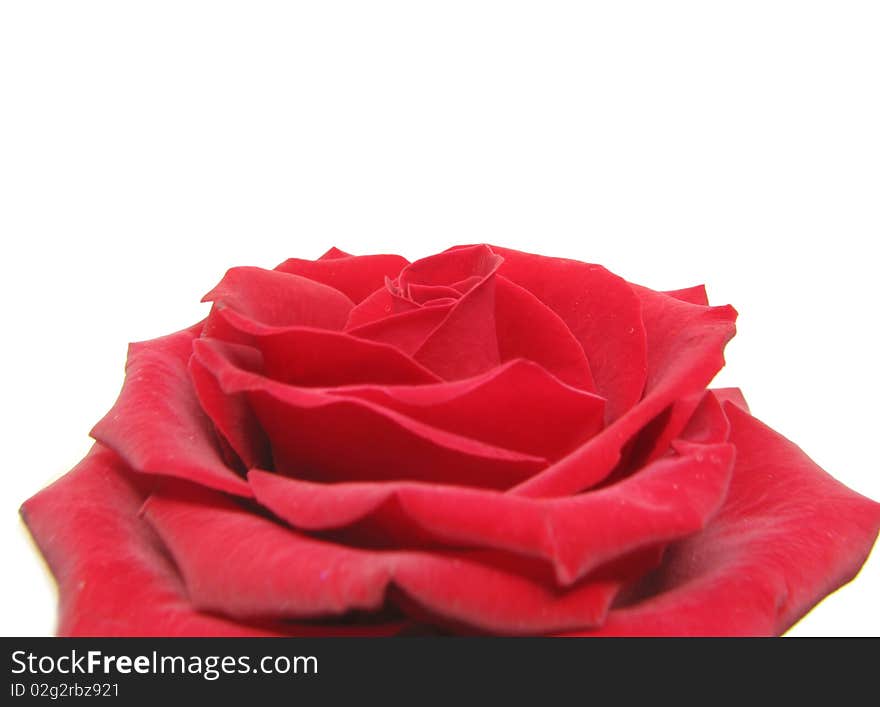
(321, 358)
(114, 577)
(787, 535)
(356, 276)
(279, 299)
(602, 312)
(317, 434)
(498, 407)
(157, 424)
(685, 351)
(527, 328)
(667, 501)
(267, 571)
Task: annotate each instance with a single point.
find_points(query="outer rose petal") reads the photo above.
(353, 275)
(157, 425)
(267, 570)
(667, 501)
(787, 535)
(685, 341)
(113, 576)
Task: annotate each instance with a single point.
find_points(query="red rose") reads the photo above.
(481, 441)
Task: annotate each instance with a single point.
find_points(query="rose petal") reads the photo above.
(498, 407)
(377, 306)
(406, 331)
(355, 276)
(693, 295)
(655, 438)
(316, 357)
(526, 328)
(685, 351)
(279, 299)
(382, 305)
(684, 340)
(334, 253)
(316, 434)
(666, 501)
(157, 424)
(602, 312)
(114, 577)
(465, 342)
(231, 414)
(470, 264)
(787, 535)
(731, 395)
(269, 571)
(423, 294)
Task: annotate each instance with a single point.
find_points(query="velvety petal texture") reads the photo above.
(157, 425)
(482, 441)
(787, 535)
(114, 575)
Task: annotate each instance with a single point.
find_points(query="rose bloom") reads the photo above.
(484, 441)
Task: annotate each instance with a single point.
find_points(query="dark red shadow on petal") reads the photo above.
(698, 417)
(231, 414)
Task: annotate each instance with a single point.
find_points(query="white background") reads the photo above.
(145, 147)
